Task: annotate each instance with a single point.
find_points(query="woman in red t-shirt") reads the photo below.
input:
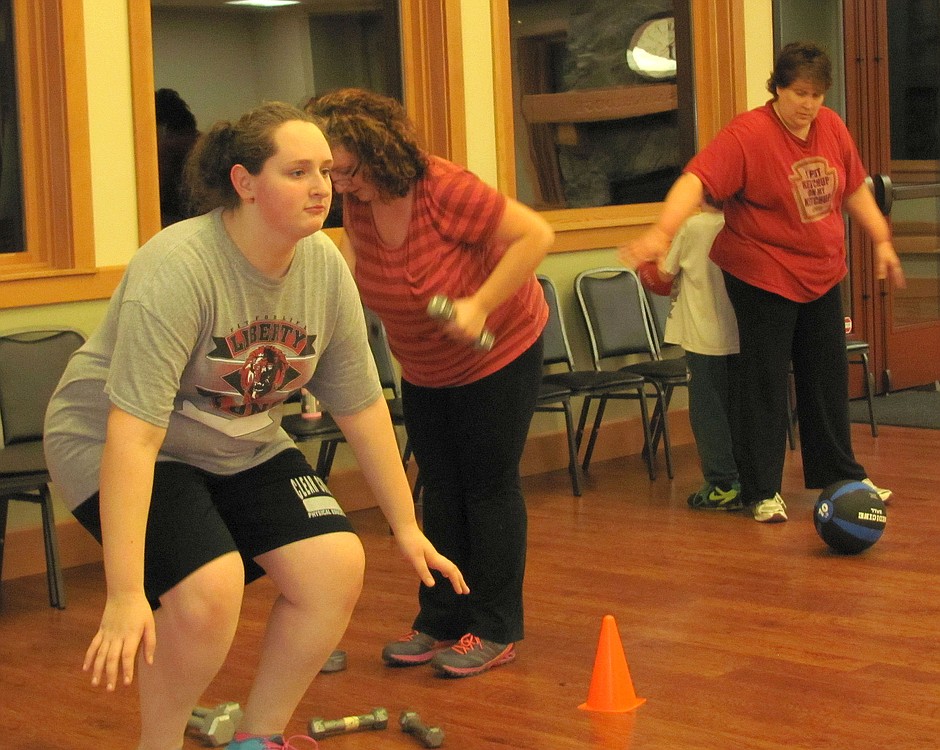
(784, 172)
(417, 226)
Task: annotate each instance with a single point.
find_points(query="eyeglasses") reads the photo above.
(342, 175)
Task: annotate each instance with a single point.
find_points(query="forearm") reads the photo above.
(528, 239)
(861, 206)
(126, 483)
(683, 199)
(371, 437)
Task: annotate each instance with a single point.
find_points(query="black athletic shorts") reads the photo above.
(196, 516)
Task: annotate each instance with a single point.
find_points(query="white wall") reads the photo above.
(758, 49)
(224, 64)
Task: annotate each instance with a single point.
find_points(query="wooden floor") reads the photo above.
(739, 635)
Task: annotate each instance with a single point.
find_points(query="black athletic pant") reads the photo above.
(468, 442)
(775, 331)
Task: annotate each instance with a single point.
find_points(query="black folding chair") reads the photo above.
(31, 363)
(306, 428)
(591, 385)
(620, 323)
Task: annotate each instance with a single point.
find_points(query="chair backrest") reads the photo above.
(31, 363)
(615, 312)
(378, 342)
(659, 307)
(555, 337)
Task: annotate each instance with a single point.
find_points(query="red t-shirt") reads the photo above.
(784, 231)
(450, 249)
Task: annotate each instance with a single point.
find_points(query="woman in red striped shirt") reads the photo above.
(417, 226)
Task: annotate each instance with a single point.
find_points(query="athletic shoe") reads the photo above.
(472, 656)
(413, 648)
(244, 741)
(771, 510)
(712, 497)
(884, 494)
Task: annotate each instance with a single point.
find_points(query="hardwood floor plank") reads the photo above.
(739, 635)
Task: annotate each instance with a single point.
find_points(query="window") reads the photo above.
(575, 98)
(602, 95)
(431, 86)
(55, 240)
(12, 229)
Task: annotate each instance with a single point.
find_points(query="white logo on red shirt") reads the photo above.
(814, 185)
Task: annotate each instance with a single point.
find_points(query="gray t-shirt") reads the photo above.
(196, 340)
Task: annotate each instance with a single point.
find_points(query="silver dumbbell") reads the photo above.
(319, 728)
(428, 736)
(442, 308)
(215, 726)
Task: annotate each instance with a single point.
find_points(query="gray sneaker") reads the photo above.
(472, 656)
(413, 648)
(771, 510)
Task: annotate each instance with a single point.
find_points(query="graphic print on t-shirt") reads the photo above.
(263, 362)
(814, 185)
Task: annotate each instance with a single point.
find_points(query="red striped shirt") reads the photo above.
(450, 249)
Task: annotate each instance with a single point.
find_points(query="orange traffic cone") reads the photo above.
(611, 687)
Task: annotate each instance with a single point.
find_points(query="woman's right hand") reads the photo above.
(126, 625)
(651, 246)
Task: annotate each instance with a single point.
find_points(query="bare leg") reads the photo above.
(195, 626)
(319, 580)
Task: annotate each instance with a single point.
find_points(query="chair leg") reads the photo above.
(325, 459)
(4, 505)
(663, 428)
(573, 465)
(869, 392)
(598, 418)
(656, 419)
(647, 436)
(582, 420)
(53, 568)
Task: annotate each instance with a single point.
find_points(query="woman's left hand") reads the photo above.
(888, 265)
(424, 557)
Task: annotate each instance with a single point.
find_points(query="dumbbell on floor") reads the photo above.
(319, 728)
(335, 663)
(215, 726)
(428, 736)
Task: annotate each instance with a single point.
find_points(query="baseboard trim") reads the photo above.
(24, 554)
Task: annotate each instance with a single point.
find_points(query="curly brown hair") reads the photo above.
(249, 142)
(377, 130)
(800, 60)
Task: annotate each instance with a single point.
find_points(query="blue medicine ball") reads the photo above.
(849, 516)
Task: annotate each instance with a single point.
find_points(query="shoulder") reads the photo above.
(445, 180)
(320, 247)
(831, 120)
(754, 122)
(324, 264)
(179, 247)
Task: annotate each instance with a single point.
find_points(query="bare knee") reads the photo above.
(206, 604)
(322, 572)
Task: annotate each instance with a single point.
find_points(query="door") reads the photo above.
(893, 111)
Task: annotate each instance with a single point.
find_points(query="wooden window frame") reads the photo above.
(720, 93)
(59, 256)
